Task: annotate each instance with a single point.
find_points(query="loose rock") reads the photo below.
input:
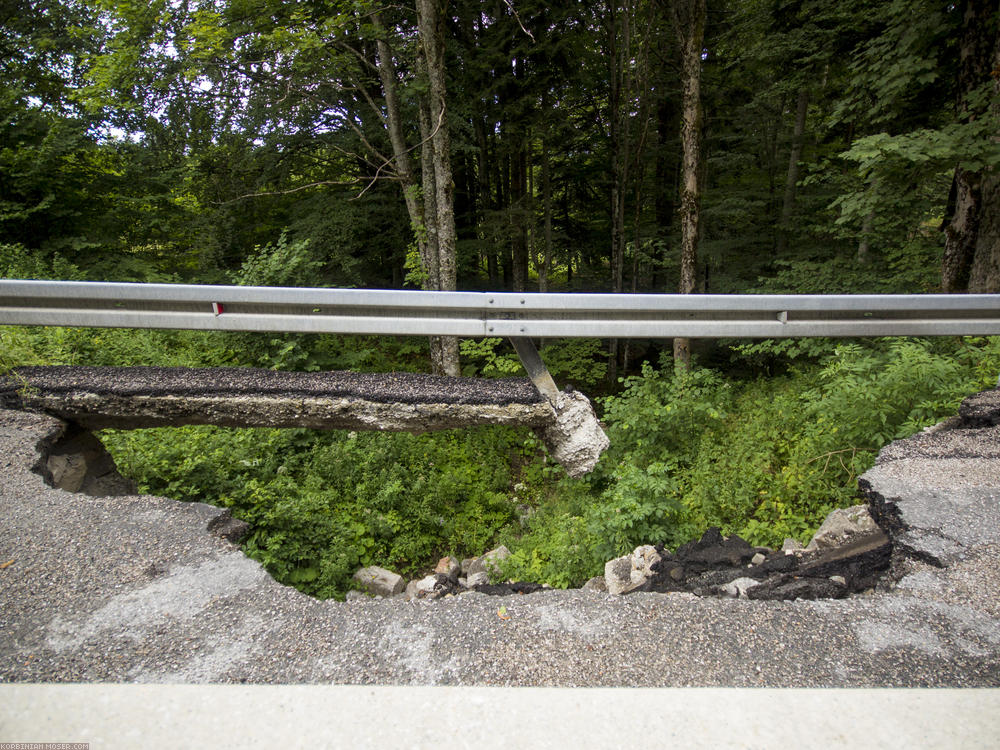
(477, 579)
(627, 573)
(78, 462)
(791, 546)
(618, 575)
(738, 588)
(842, 526)
(715, 565)
(229, 528)
(449, 566)
(379, 581)
(425, 586)
(575, 438)
(488, 563)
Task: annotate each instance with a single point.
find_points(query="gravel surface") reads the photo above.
(134, 589)
(401, 387)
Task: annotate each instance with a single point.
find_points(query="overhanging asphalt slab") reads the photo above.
(134, 397)
(391, 387)
(96, 398)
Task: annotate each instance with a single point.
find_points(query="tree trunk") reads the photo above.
(423, 218)
(984, 278)
(689, 23)
(530, 223)
(431, 257)
(401, 154)
(972, 241)
(485, 204)
(665, 183)
(617, 257)
(865, 243)
(433, 217)
(519, 217)
(794, 156)
(430, 21)
(432, 260)
(569, 250)
(620, 58)
(504, 199)
(636, 250)
(546, 264)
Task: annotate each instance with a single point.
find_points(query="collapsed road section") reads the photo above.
(128, 588)
(98, 398)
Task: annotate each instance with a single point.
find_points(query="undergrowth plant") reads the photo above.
(322, 505)
(767, 459)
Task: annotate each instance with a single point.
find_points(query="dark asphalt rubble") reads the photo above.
(708, 566)
(393, 387)
(980, 410)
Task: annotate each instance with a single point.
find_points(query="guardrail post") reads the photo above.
(535, 368)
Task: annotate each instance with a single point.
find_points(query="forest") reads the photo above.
(665, 146)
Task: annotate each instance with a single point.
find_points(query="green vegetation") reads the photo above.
(323, 505)
(723, 146)
(765, 457)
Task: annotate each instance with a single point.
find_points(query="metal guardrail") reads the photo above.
(481, 314)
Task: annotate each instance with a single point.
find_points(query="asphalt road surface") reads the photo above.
(396, 387)
(134, 589)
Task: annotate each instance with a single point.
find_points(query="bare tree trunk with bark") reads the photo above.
(985, 275)
(429, 201)
(628, 35)
(792, 179)
(689, 23)
(971, 260)
(400, 151)
(519, 217)
(430, 21)
(546, 264)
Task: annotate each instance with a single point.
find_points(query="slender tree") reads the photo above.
(436, 149)
(972, 230)
(689, 23)
(792, 178)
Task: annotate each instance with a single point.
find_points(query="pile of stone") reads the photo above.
(450, 577)
(848, 554)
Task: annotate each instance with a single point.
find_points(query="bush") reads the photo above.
(766, 459)
(323, 504)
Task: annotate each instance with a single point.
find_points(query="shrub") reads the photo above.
(766, 458)
(323, 504)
